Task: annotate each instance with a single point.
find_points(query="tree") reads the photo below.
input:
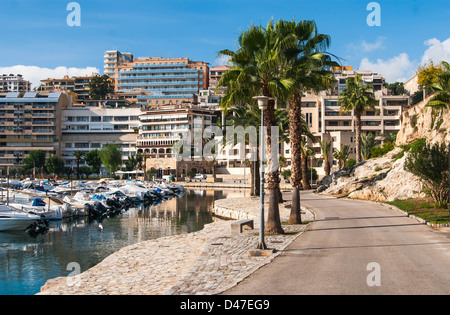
(92, 158)
(441, 86)
(36, 159)
(306, 152)
(430, 164)
(256, 70)
(250, 116)
(342, 155)
(428, 75)
(111, 157)
(86, 171)
(326, 150)
(367, 143)
(357, 97)
(78, 157)
(99, 87)
(307, 65)
(396, 88)
(55, 165)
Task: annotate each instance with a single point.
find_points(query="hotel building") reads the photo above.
(164, 81)
(14, 83)
(161, 128)
(77, 86)
(97, 124)
(30, 121)
(113, 59)
(322, 114)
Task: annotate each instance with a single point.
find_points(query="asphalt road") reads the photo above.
(356, 248)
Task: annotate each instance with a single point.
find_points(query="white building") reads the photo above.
(14, 83)
(97, 125)
(114, 58)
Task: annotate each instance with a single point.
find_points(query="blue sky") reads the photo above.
(35, 32)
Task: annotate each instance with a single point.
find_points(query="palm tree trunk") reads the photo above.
(358, 135)
(327, 168)
(295, 123)
(78, 169)
(305, 180)
(273, 225)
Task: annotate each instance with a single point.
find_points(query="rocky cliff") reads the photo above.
(421, 121)
(385, 179)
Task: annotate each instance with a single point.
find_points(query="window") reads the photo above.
(96, 119)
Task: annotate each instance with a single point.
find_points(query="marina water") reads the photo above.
(26, 263)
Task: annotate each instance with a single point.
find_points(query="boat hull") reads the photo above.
(12, 224)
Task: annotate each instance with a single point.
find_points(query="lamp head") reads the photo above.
(263, 101)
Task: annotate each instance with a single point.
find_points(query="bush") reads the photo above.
(380, 151)
(350, 163)
(430, 164)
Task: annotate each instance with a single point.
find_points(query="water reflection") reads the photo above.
(26, 263)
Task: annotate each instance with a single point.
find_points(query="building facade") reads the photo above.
(29, 122)
(164, 81)
(14, 83)
(77, 86)
(99, 123)
(161, 129)
(113, 59)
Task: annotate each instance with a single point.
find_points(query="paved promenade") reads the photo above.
(203, 263)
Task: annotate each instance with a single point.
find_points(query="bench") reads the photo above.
(238, 227)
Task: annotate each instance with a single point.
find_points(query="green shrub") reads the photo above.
(430, 164)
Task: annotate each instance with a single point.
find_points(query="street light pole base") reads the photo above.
(261, 246)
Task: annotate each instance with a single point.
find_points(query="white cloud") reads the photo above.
(222, 60)
(368, 47)
(35, 74)
(437, 51)
(396, 69)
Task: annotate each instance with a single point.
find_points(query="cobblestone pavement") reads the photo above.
(204, 263)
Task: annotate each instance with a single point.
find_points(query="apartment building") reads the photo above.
(77, 86)
(30, 121)
(164, 81)
(14, 83)
(162, 128)
(113, 59)
(97, 124)
(326, 122)
(214, 77)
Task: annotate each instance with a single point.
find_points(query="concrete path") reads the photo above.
(206, 262)
(356, 247)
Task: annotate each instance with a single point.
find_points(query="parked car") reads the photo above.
(200, 176)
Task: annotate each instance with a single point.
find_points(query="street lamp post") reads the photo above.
(262, 104)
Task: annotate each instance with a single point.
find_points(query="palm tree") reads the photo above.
(306, 64)
(357, 97)
(442, 88)
(250, 116)
(256, 71)
(367, 143)
(78, 157)
(326, 150)
(342, 155)
(306, 153)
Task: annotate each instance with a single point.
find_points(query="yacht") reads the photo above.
(14, 220)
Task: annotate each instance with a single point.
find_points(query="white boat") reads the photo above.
(13, 220)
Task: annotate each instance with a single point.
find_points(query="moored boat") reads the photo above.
(12, 219)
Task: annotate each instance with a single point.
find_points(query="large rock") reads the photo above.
(380, 179)
(421, 121)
